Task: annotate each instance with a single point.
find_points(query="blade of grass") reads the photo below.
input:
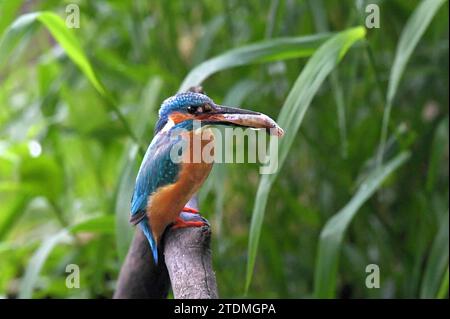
(437, 261)
(265, 51)
(63, 35)
(438, 153)
(13, 214)
(103, 224)
(320, 19)
(411, 35)
(100, 224)
(333, 233)
(443, 291)
(68, 41)
(124, 230)
(292, 113)
(8, 10)
(37, 261)
(206, 41)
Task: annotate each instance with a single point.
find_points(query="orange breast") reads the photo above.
(167, 202)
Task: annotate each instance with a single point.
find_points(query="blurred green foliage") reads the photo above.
(78, 106)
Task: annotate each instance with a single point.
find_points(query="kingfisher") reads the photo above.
(168, 177)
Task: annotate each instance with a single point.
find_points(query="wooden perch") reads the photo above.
(188, 259)
(186, 265)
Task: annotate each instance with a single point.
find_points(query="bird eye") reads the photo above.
(191, 109)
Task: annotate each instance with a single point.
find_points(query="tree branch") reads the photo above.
(188, 259)
(139, 277)
(186, 264)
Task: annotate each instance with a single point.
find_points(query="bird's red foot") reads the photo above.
(180, 223)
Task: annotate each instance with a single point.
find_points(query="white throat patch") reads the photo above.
(168, 125)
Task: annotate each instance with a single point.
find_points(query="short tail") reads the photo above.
(147, 232)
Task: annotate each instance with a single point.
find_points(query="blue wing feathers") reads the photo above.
(147, 232)
(138, 203)
(157, 170)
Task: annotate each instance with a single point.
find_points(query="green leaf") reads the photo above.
(124, 230)
(41, 176)
(12, 213)
(443, 291)
(148, 104)
(13, 36)
(437, 262)
(206, 41)
(65, 37)
(333, 233)
(265, 51)
(297, 103)
(101, 224)
(8, 10)
(438, 154)
(37, 261)
(67, 40)
(411, 34)
(318, 11)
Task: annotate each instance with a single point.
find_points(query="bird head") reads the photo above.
(184, 108)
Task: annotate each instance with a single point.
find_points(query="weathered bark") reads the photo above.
(188, 259)
(186, 265)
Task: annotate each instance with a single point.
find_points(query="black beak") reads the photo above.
(233, 116)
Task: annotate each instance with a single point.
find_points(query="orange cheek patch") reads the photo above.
(209, 117)
(180, 117)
